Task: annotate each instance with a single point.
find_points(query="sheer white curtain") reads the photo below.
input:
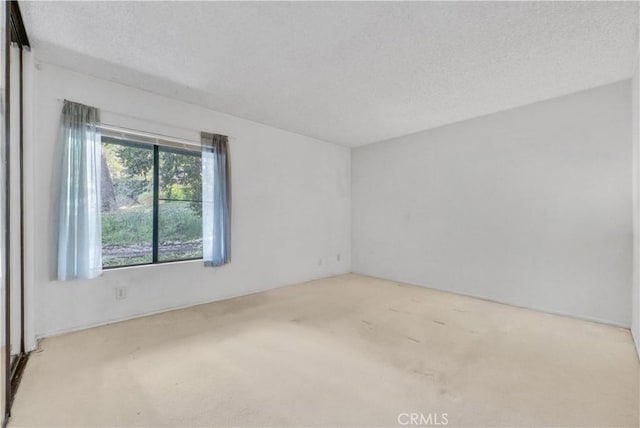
(216, 200)
(80, 229)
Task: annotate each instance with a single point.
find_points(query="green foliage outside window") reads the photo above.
(128, 209)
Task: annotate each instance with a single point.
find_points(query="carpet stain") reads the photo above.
(421, 373)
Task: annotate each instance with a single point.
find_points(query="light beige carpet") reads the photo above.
(343, 351)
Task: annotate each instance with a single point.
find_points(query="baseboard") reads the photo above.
(636, 337)
(502, 302)
(172, 308)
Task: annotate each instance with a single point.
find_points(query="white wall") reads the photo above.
(635, 120)
(291, 208)
(528, 206)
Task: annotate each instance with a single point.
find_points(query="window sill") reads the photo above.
(150, 265)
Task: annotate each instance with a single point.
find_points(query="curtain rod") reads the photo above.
(145, 134)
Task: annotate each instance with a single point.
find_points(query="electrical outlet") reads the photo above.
(121, 293)
(320, 261)
(338, 257)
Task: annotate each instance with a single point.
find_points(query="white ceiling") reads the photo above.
(349, 73)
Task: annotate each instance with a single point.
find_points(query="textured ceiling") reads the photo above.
(349, 73)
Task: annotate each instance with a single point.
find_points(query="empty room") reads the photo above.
(320, 214)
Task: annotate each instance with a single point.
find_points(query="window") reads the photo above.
(151, 203)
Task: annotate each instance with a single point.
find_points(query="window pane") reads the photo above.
(127, 203)
(180, 209)
(180, 175)
(179, 230)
